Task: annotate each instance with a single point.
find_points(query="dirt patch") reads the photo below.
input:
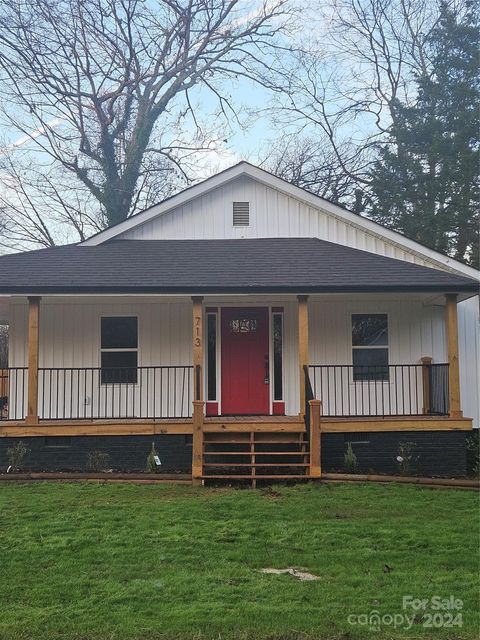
(296, 573)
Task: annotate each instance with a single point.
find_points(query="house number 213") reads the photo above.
(198, 331)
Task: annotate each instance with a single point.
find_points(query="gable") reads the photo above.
(277, 210)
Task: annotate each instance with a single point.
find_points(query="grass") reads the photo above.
(122, 562)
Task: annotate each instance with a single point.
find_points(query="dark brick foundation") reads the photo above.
(437, 453)
(127, 453)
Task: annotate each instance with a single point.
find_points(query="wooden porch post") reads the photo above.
(198, 404)
(33, 351)
(302, 347)
(452, 346)
(197, 326)
(315, 439)
(197, 442)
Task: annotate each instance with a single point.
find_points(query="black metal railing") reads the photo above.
(384, 390)
(13, 393)
(94, 393)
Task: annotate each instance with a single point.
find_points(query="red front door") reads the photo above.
(245, 367)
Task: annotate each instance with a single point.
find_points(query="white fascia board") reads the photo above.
(260, 175)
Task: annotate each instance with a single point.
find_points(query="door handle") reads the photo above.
(267, 370)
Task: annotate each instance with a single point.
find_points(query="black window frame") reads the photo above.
(211, 357)
(278, 358)
(118, 374)
(381, 372)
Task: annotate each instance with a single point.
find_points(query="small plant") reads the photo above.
(406, 457)
(152, 466)
(473, 454)
(351, 462)
(97, 461)
(16, 456)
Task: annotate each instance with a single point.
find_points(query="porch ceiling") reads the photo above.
(274, 265)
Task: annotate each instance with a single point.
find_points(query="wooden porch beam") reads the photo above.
(452, 347)
(302, 347)
(33, 355)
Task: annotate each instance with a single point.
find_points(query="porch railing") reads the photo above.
(115, 393)
(13, 393)
(390, 390)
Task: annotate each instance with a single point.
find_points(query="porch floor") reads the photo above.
(184, 426)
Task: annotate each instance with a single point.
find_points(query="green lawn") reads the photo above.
(113, 562)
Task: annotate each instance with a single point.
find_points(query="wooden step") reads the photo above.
(256, 477)
(250, 442)
(242, 454)
(255, 464)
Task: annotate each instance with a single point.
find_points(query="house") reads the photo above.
(249, 328)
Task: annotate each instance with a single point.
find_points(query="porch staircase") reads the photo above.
(253, 456)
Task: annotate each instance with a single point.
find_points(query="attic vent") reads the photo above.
(241, 214)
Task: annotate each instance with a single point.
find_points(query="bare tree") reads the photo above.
(343, 86)
(105, 93)
(314, 166)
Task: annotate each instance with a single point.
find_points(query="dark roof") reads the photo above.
(217, 266)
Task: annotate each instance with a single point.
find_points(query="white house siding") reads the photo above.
(70, 337)
(276, 214)
(469, 356)
(272, 215)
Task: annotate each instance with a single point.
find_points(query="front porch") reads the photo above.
(302, 400)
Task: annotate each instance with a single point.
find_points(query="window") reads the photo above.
(241, 214)
(211, 357)
(370, 346)
(119, 349)
(277, 356)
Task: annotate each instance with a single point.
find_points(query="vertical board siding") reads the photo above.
(70, 337)
(414, 331)
(469, 357)
(272, 214)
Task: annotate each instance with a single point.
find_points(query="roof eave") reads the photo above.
(442, 289)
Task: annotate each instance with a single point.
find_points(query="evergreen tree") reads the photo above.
(425, 183)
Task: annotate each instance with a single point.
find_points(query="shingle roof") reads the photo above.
(217, 266)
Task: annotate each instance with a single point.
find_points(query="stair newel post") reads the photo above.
(197, 442)
(315, 438)
(198, 404)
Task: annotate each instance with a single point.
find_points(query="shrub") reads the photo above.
(152, 466)
(351, 462)
(406, 457)
(97, 461)
(16, 455)
(473, 454)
